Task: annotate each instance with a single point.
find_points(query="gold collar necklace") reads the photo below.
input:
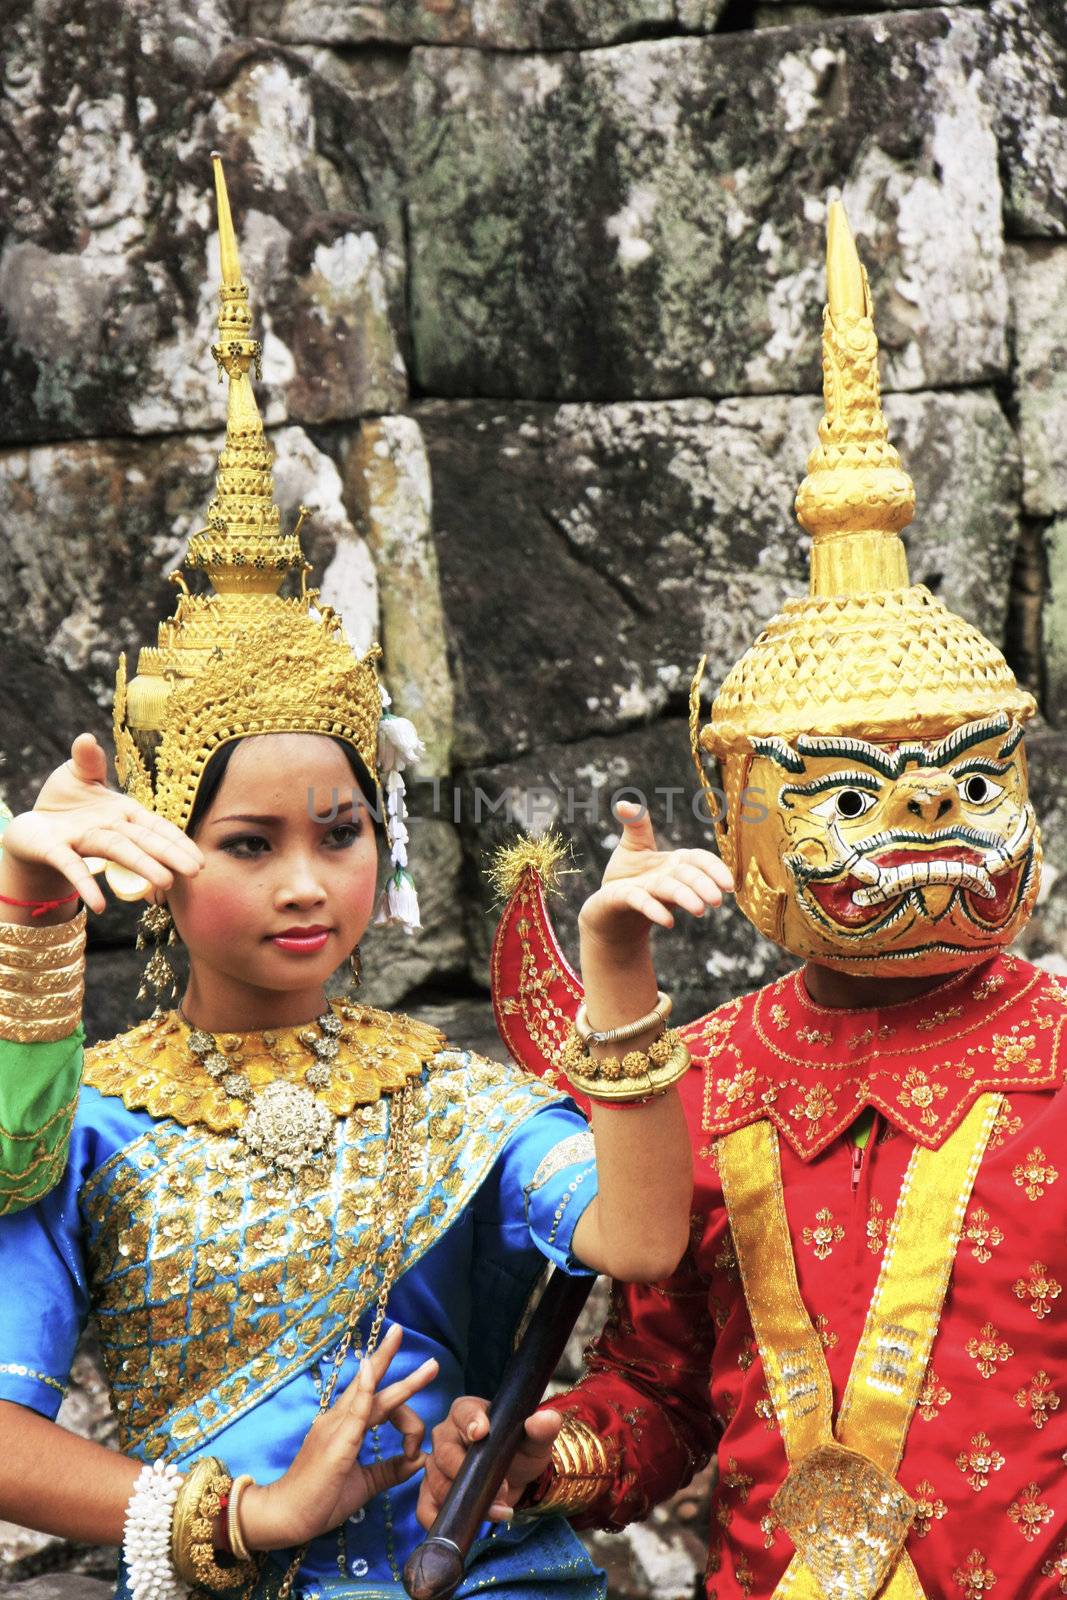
(287, 1125)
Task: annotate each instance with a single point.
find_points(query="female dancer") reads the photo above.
(260, 1194)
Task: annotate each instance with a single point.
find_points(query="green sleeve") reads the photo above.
(38, 1095)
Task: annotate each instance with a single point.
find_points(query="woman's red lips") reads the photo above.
(304, 941)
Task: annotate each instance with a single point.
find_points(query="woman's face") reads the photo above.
(290, 867)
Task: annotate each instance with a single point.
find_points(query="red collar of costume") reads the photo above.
(811, 1070)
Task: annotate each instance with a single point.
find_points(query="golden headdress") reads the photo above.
(243, 659)
(865, 653)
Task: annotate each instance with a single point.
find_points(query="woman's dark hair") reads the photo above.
(213, 774)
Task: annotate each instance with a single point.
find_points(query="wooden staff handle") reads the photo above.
(434, 1570)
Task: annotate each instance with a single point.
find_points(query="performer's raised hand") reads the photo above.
(466, 1423)
(46, 851)
(643, 884)
(327, 1483)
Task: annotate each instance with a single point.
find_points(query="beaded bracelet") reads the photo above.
(147, 1533)
(638, 1075)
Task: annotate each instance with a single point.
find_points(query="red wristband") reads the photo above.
(40, 907)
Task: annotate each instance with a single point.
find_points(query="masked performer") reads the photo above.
(257, 1191)
(866, 1322)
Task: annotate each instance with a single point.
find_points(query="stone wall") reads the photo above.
(539, 283)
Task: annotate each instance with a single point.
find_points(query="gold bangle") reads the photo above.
(582, 1467)
(638, 1075)
(233, 1517)
(629, 1030)
(192, 1538)
(17, 938)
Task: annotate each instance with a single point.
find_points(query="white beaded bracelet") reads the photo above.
(146, 1535)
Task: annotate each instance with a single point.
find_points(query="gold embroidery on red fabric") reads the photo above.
(1039, 1398)
(937, 1019)
(769, 1528)
(744, 1575)
(1029, 1512)
(817, 1104)
(876, 1227)
(979, 1461)
(917, 1093)
(814, 1036)
(780, 1017)
(1040, 1288)
(822, 1328)
(982, 1238)
(1056, 1565)
(974, 1577)
(736, 1092)
(929, 1508)
(726, 1258)
(825, 1235)
(1012, 1050)
(734, 1478)
(1035, 1173)
(932, 1397)
(1005, 1127)
(988, 986)
(987, 1349)
(765, 1411)
(747, 1353)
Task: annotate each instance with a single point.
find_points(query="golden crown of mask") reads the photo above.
(242, 659)
(865, 653)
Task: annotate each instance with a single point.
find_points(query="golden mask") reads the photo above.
(870, 741)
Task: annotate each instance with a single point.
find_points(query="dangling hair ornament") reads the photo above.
(398, 747)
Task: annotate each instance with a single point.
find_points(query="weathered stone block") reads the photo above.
(648, 219)
(388, 494)
(1038, 282)
(499, 25)
(1044, 939)
(93, 527)
(590, 554)
(1054, 621)
(108, 265)
(1024, 67)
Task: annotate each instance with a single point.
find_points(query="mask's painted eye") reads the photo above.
(845, 804)
(977, 790)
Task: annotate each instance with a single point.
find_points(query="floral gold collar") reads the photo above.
(812, 1070)
(152, 1067)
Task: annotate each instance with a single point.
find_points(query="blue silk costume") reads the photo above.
(220, 1297)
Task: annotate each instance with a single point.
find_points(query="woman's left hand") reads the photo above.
(327, 1482)
(643, 885)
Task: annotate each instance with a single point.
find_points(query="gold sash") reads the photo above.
(840, 1503)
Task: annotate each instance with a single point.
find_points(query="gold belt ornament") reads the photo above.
(840, 1503)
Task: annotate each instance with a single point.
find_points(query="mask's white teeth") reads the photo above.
(864, 870)
(926, 874)
(1005, 854)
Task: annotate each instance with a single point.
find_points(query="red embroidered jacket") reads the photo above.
(676, 1368)
(676, 1373)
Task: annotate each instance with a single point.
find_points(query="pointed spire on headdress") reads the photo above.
(242, 547)
(856, 497)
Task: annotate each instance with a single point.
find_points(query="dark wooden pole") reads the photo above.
(434, 1570)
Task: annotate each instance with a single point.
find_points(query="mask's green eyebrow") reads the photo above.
(888, 763)
(844, 779)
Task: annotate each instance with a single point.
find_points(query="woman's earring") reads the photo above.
(355, 963)
(156, 925)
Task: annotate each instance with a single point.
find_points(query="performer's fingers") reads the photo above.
(646, 905)
(114, 845)
(712, 864)
(470, 1413)
(543, 1426)
(638, 833)
(671, 890)
(88, 759)
(72, 866)
(164, 840)
(393, 1395)
(407, 1422)
(379, 1360)
(391, 1472)
(701, 882)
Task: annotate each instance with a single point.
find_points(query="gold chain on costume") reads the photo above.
(395, 1203)
(841, 1504)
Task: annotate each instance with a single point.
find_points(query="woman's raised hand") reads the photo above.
(76, 817)
(643, 884)
(327, 1483)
